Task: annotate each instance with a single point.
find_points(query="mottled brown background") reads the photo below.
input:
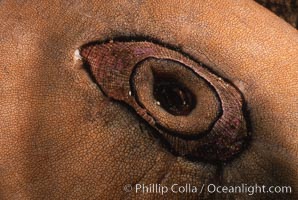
(286, 9)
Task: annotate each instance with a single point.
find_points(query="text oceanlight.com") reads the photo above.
(210, 188)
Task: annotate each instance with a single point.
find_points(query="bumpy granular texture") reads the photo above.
(286, 9)
(61, 138)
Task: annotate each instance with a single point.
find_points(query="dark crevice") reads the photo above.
(165, 87)
(173, 96)
(171, 132)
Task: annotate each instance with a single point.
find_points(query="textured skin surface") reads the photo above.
(286, 9)
(116, 65)
(61, 138)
